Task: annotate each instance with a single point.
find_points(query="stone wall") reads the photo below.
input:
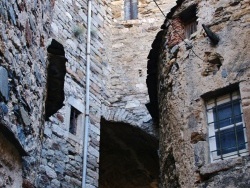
(55, 155)
(187, 75)
(131, 42)
(61, 164)
(25, 26)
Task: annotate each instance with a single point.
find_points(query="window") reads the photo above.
(74, 117)
(130, 9)
(189, 20)
(227, 132)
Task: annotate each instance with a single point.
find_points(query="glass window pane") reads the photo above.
(223, 115)
(226, 140)
(237, 112)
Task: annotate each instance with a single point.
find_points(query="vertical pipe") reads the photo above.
(86, 122)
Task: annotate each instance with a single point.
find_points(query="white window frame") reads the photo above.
(211, 127)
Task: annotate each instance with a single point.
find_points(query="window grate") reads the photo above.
(227, 131)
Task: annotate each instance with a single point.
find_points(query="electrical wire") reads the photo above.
(170, 23)
(159, 8)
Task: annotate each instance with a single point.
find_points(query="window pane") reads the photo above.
(237, 112)
(134, 10)
(127, 9)
(224, 113)
(227, 142)
(225, 116)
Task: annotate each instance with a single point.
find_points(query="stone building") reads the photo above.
(75, 110)
(200, 62)
(75, 125)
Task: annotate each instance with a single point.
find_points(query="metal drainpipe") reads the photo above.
(86, 122)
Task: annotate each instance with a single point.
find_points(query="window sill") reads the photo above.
(223, 165)
(75, 138)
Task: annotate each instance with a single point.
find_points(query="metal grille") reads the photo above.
(227, 132)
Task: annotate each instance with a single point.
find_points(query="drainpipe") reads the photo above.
(86, 122)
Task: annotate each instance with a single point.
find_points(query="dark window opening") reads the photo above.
(189, 20)
(74, 115)
(140, 72)
(130, 9)
(55, 78)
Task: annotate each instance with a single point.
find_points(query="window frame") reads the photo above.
(73, 126)
(210, 105)
(79, 106)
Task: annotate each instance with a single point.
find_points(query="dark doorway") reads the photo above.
(128, 157)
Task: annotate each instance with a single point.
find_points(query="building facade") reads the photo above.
(43, 88)
(200, 60)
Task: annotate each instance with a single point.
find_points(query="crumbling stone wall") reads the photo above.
(184, 76)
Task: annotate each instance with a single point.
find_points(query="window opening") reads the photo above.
(227, 132)
(130, 9)
(140, 72)
(189, 20)
(74, 115)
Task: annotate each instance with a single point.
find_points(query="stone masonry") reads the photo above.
(131, 41)
(55, 155)
(117, 93)
(194, 68)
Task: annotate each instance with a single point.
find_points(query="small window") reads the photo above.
(74, 118)
(189, 20)
(227, 132)
(130, 9)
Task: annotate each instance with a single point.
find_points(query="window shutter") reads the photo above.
(134, 9)
(127, 9)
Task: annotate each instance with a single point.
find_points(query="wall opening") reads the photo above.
(55, 78)
(189, 20)
(74, 115)
(128, 157)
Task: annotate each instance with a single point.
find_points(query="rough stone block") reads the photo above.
(4, 89)
(200, 153)
(50, 172)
